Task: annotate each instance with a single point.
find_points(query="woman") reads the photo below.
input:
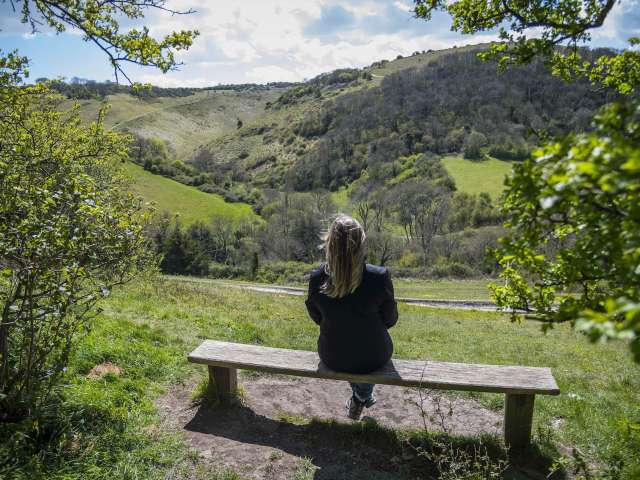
(354, 305)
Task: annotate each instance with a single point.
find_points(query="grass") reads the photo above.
(189, 203)
(475, 289)
(148, 327)
(185, 123)
(475, 177)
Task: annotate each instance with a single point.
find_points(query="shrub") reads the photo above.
(284, 272)
(69, 231)
(221, 270)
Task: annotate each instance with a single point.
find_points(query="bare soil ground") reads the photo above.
(296, 428)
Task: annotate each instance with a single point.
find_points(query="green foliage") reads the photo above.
(202, 247)
(69, 231)
(98, 21)
(472, 147)
(573, 252)
(423, 110)
(558, 23)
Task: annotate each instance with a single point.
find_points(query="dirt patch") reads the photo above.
(103, 369)
(289, 427)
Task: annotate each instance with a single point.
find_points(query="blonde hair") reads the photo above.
(345, 251)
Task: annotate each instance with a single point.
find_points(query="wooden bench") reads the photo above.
(519, 384)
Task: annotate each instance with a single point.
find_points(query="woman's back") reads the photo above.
(353, 328)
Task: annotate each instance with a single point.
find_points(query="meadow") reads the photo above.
(431, 289)
(478, 176)
(188, 203)
(112, 427)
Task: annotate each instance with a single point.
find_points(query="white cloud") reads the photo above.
(289, 40)
(622, 23)
(268, 41)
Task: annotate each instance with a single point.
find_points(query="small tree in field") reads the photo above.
(69, 232)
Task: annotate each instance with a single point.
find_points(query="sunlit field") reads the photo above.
(188, 203)
(478, 176)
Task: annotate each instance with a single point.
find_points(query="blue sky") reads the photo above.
(272, 40)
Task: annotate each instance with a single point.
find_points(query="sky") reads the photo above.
(259, 41)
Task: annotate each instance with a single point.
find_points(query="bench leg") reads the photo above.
(225, 380)
(518, 415)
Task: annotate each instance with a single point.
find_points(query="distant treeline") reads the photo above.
(93, 90)
(420, 226)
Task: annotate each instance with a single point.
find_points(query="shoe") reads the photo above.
(355, 407)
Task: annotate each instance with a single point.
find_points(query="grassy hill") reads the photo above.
(189, 203)
(477, 176)
(185, 123)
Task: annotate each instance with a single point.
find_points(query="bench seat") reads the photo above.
(520, 384)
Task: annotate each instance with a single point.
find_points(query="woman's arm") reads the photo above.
(312, 308)
(389, 308)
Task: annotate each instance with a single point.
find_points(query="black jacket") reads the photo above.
(353, 329)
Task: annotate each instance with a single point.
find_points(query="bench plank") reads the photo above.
(407, 373)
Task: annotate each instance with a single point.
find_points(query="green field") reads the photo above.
(476, 289)
(113, 430)
(188, 203)
(472, 176)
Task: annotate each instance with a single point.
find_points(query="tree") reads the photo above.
(559, 23)
(473, 144)
(69, 229)
(98, 22)
(573, 251)
(69, 232)
(574, 216)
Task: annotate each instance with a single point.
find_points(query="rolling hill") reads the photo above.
(325, 133)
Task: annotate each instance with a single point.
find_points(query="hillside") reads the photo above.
(326, 132)
(184, 123)
(188, 203)
(446, 102)
(417, 148)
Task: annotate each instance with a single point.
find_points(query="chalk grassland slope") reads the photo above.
(188, 203)
(478, 176)
(185, 123)
(379, 70)
(439, 102)
(267, 146)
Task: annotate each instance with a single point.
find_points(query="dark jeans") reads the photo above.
(362, 391)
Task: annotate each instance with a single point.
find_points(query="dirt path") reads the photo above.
(448, 304)
(290, 427)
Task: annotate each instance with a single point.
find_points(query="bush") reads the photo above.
(69, 232)
(452, 270)
(284, 272)
(221, 270)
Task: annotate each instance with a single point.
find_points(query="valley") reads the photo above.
(416, 148)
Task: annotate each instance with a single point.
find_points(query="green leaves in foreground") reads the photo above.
(99, 23)
(69, 232)
(573, 251)
(560, 27)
